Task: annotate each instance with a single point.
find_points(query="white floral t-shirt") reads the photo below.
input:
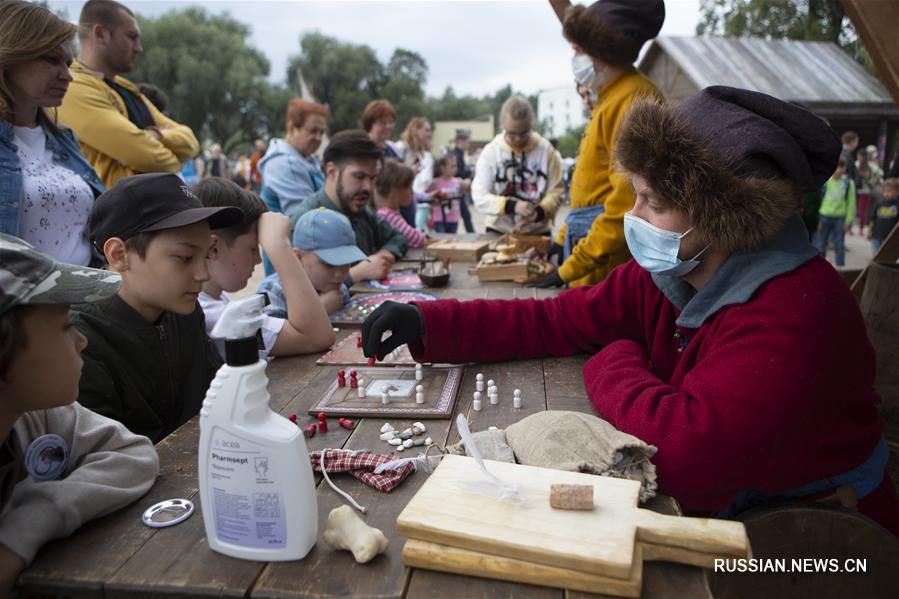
(55, 202)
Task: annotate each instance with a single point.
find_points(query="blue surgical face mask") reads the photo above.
(656, 249)
(582, 67)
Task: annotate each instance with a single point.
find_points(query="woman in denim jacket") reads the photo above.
(47, 187)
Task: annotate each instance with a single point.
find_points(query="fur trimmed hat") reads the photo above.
(614, 30)
(735, 161)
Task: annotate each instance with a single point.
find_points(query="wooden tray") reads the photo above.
(457, 250)
(355, 313)
(523, 242)
(441, 386)
(458, 506)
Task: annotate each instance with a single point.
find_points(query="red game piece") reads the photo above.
(353, 374)
(359, 341)
(345, 423)
(322, 416)
(292, 418)
(371, 361)
(354, 384)
(341, 372)
(341, 379)
(309, 430)
(323, 426)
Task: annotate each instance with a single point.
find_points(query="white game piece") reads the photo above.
(479, 382)
(387, 427)
(419, 388)
(476, 404)
(360, 390)
(385, 389)
(516, 393)
(490, 383)
(418, 373)
(419, 398)
(516, 402)
(494, 398)
(385, 398)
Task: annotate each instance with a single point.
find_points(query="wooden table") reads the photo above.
(117, 556)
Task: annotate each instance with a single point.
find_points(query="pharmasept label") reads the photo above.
(246, 500)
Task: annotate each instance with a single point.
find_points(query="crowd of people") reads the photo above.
(113, 258)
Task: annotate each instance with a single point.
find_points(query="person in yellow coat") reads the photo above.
(606, 38)
(121, 133)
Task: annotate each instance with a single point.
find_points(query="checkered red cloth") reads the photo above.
(362, 465)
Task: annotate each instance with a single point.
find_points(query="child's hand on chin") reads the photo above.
(11, 565)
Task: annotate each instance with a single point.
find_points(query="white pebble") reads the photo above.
(395, 441)
(407, 443)
(388, 436)
(387, 427)
(400, 448)
(492, 428)
(428, 441)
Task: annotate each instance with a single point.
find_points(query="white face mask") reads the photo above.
(582, 67)
(656, 249)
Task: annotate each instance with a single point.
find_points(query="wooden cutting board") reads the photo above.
(458, 506)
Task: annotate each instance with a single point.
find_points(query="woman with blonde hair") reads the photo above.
(415, 145)
(48, 187)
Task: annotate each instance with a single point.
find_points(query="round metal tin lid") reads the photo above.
(168, 513)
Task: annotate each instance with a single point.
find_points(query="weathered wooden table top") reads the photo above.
(117, 556)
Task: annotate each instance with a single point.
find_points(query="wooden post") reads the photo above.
(559, 7)
(879, 309)
(875, 23)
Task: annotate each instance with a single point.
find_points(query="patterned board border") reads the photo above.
(443, 408)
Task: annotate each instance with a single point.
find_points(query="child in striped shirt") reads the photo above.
(393, 189)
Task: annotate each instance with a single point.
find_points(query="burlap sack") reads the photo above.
(491, 444)
(582, 443)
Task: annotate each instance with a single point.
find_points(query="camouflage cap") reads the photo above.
(29, 277)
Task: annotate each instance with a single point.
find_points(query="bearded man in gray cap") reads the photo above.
(728, 342)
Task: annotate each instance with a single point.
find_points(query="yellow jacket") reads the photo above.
(596, 182)
(114, 145)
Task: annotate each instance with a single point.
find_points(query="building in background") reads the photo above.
(559, 109)
(480, 129)
(817, 75)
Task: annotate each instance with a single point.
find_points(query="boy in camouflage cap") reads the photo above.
(60, 464)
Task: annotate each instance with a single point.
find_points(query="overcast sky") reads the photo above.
(474, 46)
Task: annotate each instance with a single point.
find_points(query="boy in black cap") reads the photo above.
(60, 464)
(606, 38)
(149, 360)
(728, 342)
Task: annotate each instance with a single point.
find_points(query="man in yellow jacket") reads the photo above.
(606, 38)
(121, 133)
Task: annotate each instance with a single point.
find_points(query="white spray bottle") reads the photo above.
(256, 484)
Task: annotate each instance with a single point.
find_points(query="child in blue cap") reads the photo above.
(325, 243)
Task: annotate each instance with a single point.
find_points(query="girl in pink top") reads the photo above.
(393, 189)
(447, 189)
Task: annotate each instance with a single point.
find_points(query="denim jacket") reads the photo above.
(66, 152)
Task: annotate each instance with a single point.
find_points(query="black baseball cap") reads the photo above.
(151, 202)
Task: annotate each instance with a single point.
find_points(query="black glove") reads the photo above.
(554, 250)
(404, 321)
(551, 280)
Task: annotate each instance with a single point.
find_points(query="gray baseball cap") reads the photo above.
(29, 277)
(330, 235)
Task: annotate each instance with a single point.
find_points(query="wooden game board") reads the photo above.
(347, 351)
(361, 306)
(441, 385)
(406, 280)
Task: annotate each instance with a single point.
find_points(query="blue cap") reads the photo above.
(330, 235)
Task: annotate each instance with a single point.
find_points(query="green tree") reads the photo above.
(216, 82)
(814, 20)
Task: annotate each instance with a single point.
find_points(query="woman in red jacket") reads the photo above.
(727, 342)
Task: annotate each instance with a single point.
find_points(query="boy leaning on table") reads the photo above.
(60, 464)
